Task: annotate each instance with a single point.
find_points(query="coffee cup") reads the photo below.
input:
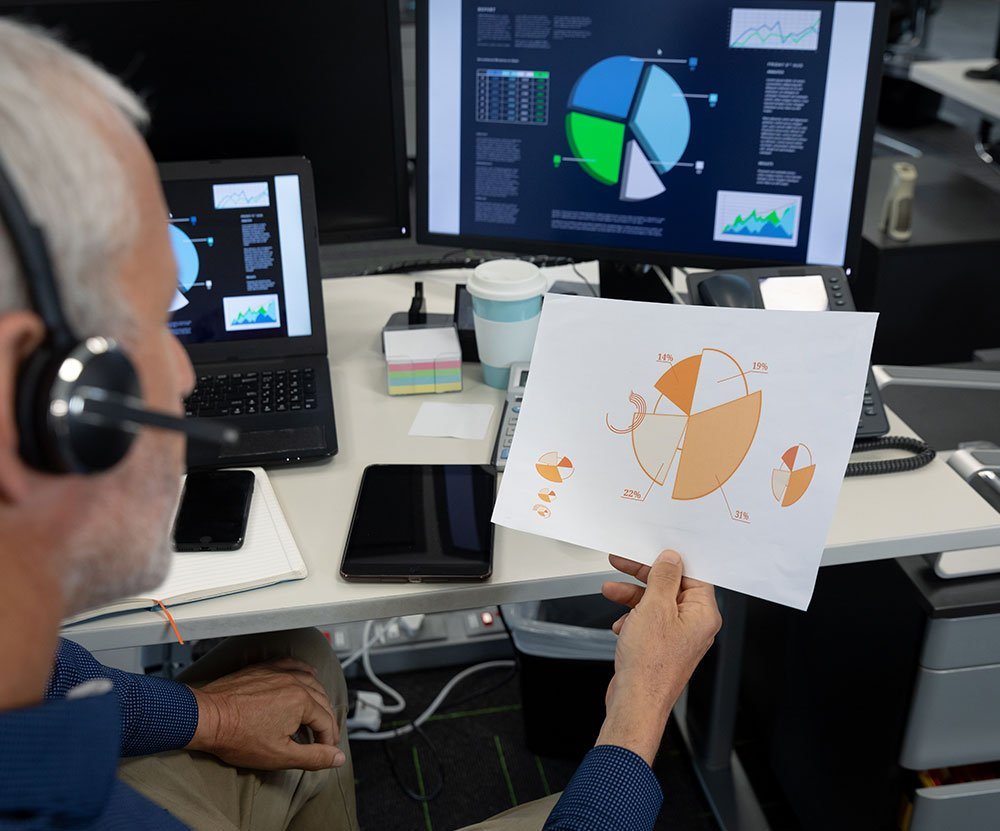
(506, 304)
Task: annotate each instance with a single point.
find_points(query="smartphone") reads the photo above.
(421, 523)
(214, 510)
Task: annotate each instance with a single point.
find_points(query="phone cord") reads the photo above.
(924, 455)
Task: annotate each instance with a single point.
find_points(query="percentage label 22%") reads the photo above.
(628, 493)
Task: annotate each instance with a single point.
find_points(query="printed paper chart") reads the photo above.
(554, 467)
(701, 427)
(628, 123)
(791, 479)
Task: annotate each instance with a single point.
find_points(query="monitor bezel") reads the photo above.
(581, 251)
(402, 227)
(312, 344)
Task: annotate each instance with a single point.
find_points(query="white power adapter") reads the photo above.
(367, 714)
(411, 623)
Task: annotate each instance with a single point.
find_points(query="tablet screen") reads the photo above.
(415, 522)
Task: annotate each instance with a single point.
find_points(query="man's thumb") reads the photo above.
(314, 756)
(665, 575)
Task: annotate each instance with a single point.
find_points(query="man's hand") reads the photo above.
(248, 718)
(670, 626)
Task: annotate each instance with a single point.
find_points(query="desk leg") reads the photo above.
(707, 719)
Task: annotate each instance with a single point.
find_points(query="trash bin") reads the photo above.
(566, 651)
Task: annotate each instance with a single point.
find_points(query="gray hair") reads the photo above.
(69, 178)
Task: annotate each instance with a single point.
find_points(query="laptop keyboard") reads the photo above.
(249, 393)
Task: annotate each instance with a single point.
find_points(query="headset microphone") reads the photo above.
(103, 408)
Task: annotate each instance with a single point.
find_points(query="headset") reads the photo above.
(78, 401)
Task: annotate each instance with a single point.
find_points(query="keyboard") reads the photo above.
(249, 393)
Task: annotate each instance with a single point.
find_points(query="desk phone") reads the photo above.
(511, 410)
(798, 288)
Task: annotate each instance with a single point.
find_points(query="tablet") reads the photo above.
(417, 523)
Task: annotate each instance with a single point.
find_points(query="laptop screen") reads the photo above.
(241, 259)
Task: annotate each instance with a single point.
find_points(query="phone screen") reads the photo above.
(416, 522)
(214, 510)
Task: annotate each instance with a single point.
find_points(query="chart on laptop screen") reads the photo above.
(240, 252)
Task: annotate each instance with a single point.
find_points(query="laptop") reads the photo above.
(249, 307)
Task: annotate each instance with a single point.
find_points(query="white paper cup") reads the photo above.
(506, 303)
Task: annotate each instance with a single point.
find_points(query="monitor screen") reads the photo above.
(706, 134)
(241, 259)
(226, 79)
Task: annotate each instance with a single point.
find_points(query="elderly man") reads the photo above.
(253, 737)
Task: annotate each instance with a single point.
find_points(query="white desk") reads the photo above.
(948, 78)
(878, 517)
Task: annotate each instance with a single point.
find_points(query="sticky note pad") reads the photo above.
(423, 360)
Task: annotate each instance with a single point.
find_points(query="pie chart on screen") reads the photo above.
(627, 124)
(554, 467)
(791, 479)
(188, 265)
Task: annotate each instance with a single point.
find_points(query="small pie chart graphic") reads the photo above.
(188, 265)
(791, 479)
(554, 467)
(547, 495)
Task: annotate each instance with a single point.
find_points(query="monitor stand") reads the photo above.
(629, 281)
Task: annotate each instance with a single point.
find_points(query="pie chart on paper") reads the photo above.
(554, 467)
(791, 479)
(701, 427)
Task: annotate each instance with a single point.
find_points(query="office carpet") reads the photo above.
(474, 757)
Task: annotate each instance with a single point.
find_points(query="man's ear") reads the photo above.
(20, 334)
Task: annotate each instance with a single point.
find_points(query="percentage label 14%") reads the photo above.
(664, 358)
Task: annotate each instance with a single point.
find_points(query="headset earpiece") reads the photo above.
(57, 434)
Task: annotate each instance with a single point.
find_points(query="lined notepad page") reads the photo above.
(269, 555)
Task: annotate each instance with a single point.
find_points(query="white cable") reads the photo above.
(434, 705)
(366, 663)
(669, 286)
(367, 643)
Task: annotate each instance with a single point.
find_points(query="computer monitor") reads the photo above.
(226, 79)
(707, 134)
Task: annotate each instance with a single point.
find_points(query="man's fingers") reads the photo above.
(292, 664)
(627, 594)
(319, 720)
(313, 756)
(689, 583)
(630, 567)
(665, 575)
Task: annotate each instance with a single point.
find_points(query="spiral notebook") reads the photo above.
(269, 555)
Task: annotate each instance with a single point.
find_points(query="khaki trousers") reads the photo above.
(209, 795)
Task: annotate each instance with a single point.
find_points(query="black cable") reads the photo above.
(486, 690)
(579, 274)
(412, 794)
(542, 261)
(924, 456)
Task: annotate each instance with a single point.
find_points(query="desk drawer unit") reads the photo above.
(955, 714)
(955, 720)
(971, 806)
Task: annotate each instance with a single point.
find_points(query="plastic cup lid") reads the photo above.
(507, 280)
